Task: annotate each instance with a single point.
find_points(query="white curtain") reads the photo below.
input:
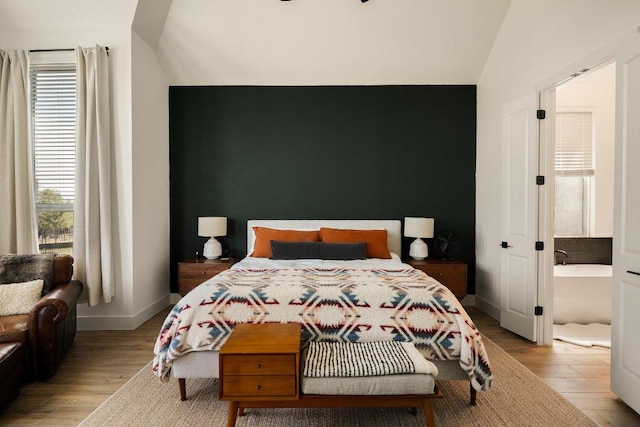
(92, 208)
(18, 224)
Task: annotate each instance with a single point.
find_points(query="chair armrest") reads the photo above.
(45, 319)
(61, 298)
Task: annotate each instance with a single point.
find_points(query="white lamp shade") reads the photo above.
(418, 227)
(209, 226)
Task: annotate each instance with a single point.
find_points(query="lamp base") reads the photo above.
(418, 250)
(212, 249)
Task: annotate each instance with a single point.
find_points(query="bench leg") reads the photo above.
(183, 389)
(233, 413)
(428, 413)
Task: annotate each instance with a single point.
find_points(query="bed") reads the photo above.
(356, 300)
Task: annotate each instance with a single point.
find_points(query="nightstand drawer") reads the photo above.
(259, 364)
(259, 385)
(448, 276)
(201, 270)
(193, 272)
(452, 277)
(452, 274)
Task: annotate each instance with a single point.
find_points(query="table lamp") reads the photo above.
(212, 226)
(420, 228)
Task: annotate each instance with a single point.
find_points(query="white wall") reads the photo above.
(141, 173)
(597, 92)
(150, 203)
(538, 39)
(140, 159)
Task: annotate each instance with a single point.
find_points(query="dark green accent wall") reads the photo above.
(321, 152)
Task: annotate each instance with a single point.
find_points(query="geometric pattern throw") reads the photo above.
(331, 304)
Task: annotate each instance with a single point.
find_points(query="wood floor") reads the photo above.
(99, 363)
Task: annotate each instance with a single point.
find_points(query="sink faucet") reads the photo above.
(564, 254)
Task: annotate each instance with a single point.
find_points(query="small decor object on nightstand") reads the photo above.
(420, 228)
(448, 242)
(212, 226)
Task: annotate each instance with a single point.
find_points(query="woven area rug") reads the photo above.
(517, 398)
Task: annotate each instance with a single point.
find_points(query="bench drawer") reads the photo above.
(259, 364)
(259, 385)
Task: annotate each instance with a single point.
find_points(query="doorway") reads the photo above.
(583, 183)
(517, 281)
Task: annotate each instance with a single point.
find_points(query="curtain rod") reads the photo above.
(63, 50)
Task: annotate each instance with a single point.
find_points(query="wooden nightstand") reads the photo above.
(260, 362)
(452, 274)
(193, 272)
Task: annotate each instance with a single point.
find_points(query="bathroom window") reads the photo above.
(574, 174)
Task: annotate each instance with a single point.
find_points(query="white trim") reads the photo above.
(468, 301)
(174, 298)
(546, 88)
(546, 205)
(603, 55)
(487, 307)
(122, 323)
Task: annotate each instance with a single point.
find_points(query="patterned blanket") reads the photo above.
(332, 304)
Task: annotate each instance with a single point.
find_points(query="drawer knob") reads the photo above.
(258, 367)
(258, 387)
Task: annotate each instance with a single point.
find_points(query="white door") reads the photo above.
(625, 322)
(519, 217)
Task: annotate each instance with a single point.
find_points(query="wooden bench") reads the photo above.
(260, 367)
(341, 401)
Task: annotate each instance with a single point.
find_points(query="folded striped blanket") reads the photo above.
(347, 359)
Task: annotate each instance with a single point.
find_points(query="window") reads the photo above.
(574, 174)
(53, 127)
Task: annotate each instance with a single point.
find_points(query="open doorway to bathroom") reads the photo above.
(583, 207)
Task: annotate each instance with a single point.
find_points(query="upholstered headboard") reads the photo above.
(393, 227)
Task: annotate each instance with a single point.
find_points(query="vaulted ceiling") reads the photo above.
(329, 41)
(297, 42)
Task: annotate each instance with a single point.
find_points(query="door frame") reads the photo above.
(546, 91)
(546, 202)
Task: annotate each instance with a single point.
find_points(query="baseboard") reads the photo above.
(468, 301)
(487, 307)
(122, 323)
(175, 298)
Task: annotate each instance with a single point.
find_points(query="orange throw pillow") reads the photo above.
(376, 240)
(264, 236)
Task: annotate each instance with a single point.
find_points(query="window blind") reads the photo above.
(574, 144)
(53, 103)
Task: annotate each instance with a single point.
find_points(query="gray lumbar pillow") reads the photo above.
(318, 250)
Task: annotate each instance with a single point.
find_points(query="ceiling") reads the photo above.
(65, 15)
(326, 42)
(297, 42)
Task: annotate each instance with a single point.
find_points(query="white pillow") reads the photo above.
(18, 298)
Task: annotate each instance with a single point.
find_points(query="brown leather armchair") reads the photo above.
(46, 333)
